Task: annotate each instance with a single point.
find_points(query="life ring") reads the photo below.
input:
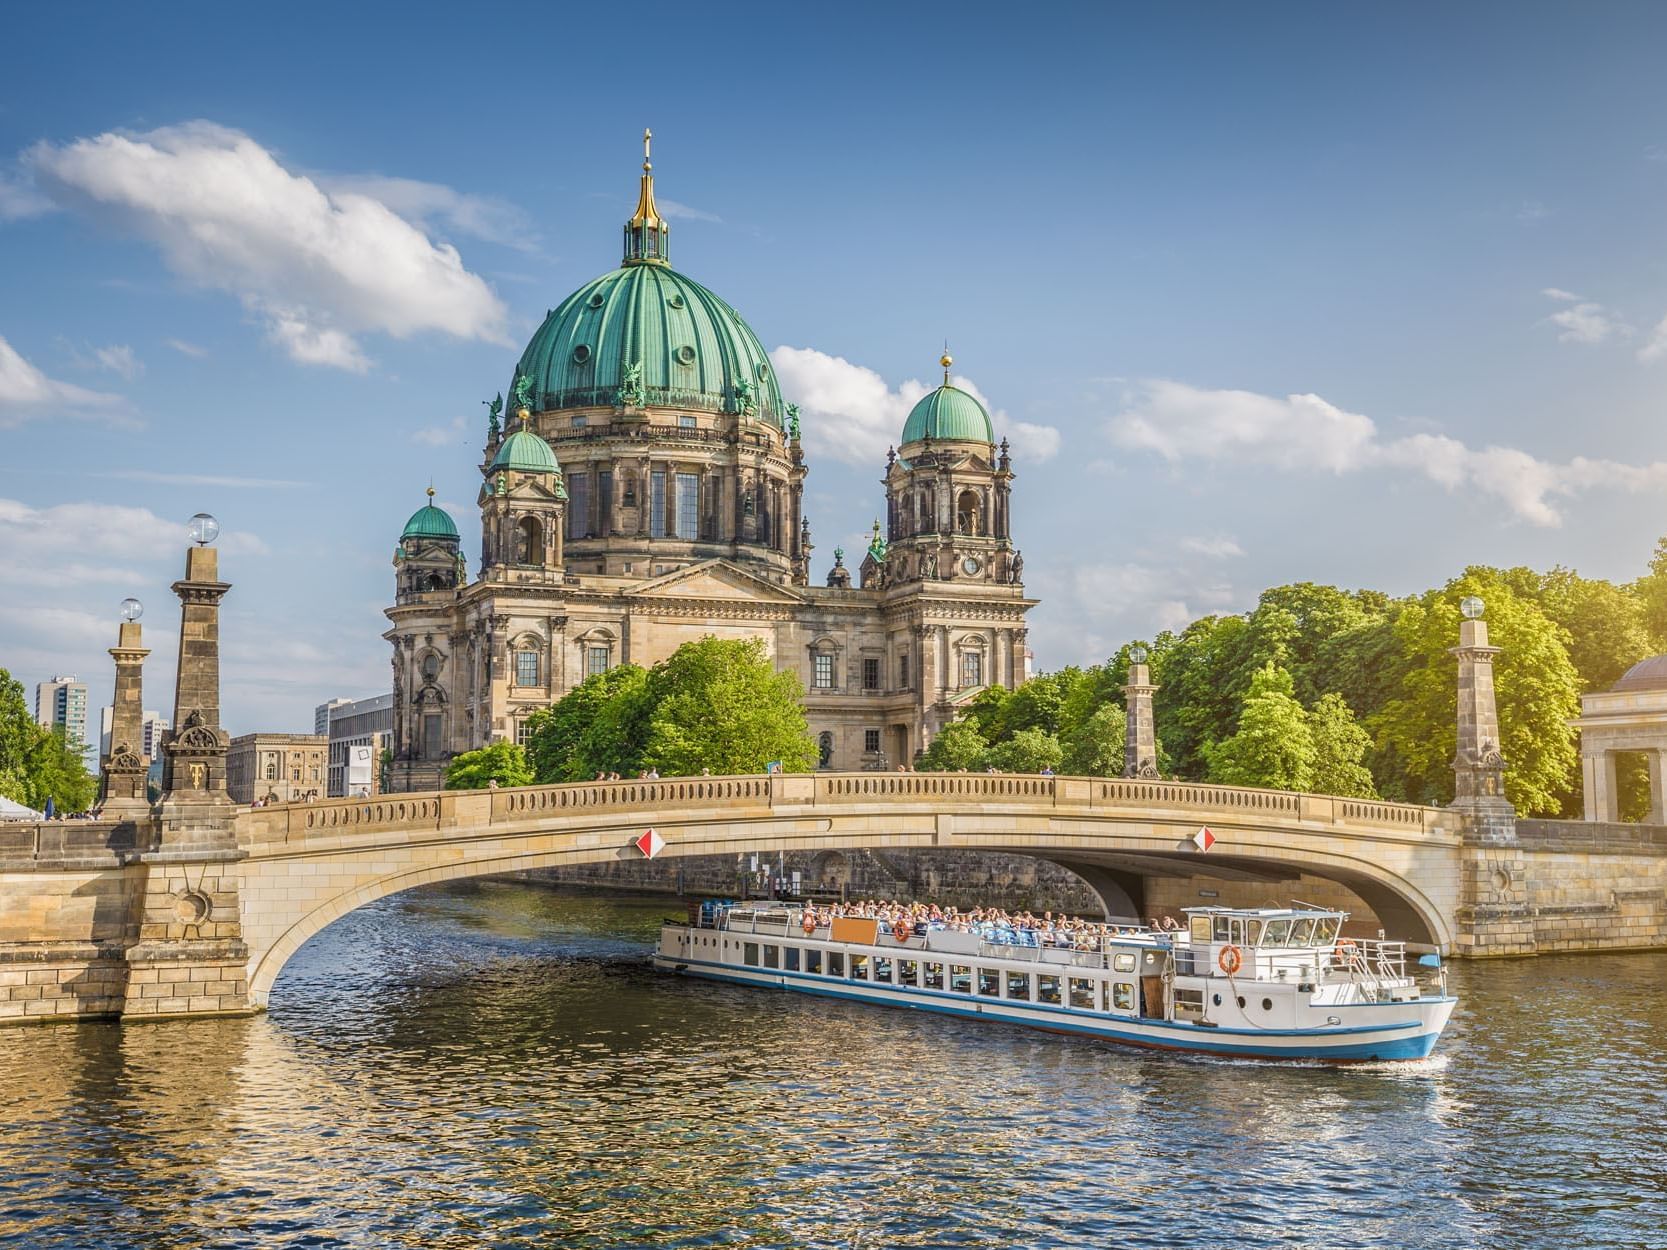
(902, 931)
(809, 925)
(1229, 960)
(1344, 949)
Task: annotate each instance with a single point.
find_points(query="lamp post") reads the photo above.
(1140, 738)
(124, 767)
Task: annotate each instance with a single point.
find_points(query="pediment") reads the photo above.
(714, 579)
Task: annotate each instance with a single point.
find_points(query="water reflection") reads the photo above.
(493, 1065)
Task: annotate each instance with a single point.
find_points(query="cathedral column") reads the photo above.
(1478, 765)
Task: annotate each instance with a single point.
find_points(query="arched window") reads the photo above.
(968, 513)
(529, 541)
(526, 668)
(272, 772)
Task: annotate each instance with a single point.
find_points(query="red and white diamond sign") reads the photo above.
(1204, 839)
(650, 844)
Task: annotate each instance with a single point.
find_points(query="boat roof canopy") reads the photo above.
(1268, 913)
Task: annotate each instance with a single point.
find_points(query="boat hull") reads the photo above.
(1412, 1036)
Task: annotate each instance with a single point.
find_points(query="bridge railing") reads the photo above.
(472, 808)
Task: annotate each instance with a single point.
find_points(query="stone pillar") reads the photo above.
(1478, 764)
(190, 956)
(1597, 770)
(1658, 810)
(1140, 743)
(124, 768)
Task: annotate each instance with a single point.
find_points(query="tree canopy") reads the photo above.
(502, 762)
(716, 704)
(37, 763)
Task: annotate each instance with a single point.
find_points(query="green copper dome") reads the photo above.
(692, 349)
(525, 452)
(429, 522)
(949, 413)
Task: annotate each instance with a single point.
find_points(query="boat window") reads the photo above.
(1123, 963)
(1325, 931)
(1302, 932)
(1122, 996)
(813, 961)
(1200, 928)
(836, 964)
(934, 976)
(1189, 1004)
(1082, 994)
(749, 953)
(1047, 989)
(772, 956)
(859, 967)
(1235, 931)
(1253, 932)
(882, 970)
(960, 978)
(1221, 929)
(989, 982)
(1278, 933)
(908, 972)
(791, 958)
(1018, 985)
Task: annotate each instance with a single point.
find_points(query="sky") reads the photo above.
(1260, 294)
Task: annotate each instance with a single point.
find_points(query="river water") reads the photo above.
(493, 1065)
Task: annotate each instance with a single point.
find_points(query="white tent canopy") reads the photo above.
(16, 811)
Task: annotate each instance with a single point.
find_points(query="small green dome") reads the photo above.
(694, 351)
(429, 522)
(526, 452)
(949, 413)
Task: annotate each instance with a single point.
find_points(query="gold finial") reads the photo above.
(431, 491)
(946, 360)
(647, 165)
(651, 246)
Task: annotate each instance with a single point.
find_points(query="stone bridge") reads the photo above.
(309, 864)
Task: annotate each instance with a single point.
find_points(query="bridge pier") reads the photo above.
(190, 956)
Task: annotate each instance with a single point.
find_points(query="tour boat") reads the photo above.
(1264, 983)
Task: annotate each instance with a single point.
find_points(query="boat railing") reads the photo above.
(1371, 962)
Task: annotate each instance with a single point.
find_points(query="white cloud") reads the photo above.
(1656, 346)
(683, 212)
(194, 350)
(93, 543)
(1304, 433)
(1532, 210)
(317, 267)
(441, 435)
(119, 359)
(1584, 321)
(425, 203)
(1215, 547)
(26, 393)
(1094, 608)
(851, 414)
(20, 199)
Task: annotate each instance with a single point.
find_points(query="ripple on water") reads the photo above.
(494, 1064)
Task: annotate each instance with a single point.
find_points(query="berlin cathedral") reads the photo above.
(645, 490)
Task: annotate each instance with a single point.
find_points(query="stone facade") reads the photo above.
(1629, 717)
(277, 768)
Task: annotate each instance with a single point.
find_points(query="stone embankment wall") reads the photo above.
(1594, 886)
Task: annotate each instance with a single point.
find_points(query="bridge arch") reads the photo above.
(311, 864)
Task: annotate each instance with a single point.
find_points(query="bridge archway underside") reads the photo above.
(308, 865)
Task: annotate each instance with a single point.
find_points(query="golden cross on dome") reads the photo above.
(647, 135)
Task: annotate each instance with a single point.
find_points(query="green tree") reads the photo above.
(1197, 702)
(721, 704)
(1537, 689)
(958, 746)
(37, 763)
(565, 742)
(1340, 746)
(1652, 592)
(502, 762)
(1027, 751)
(1605, 623)
(1094, 748)
(1273, 746)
